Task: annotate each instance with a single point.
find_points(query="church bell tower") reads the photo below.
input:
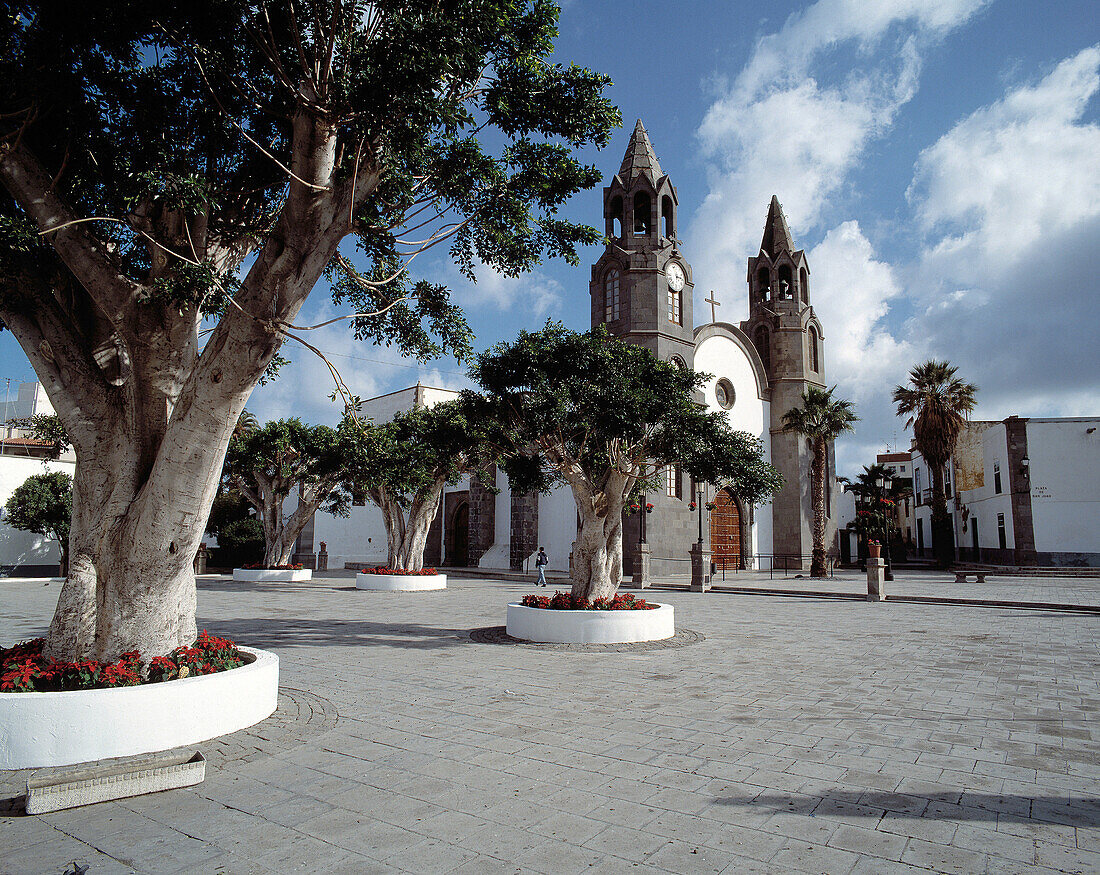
(641, 286)
(786, 332)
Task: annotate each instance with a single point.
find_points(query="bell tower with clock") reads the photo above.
(641, 286)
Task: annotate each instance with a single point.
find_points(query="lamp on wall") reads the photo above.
(1024, 463)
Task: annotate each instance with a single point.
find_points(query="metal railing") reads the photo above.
(787, 563)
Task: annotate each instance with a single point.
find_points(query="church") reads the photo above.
(641, 290)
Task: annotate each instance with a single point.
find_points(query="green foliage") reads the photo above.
(560, 399)
(229, 507)
(937, 404)
(285, 454)
(240, 542)
(142, 111)
(417, 451)
(48, 428)
(43, 504)
(821, 417)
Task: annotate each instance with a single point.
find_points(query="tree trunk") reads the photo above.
(422, 512)
(598, 554)
(943, 539)
(818, 467)
(393, 517)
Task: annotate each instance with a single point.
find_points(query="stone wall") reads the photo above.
(483, 518)
(524, 529)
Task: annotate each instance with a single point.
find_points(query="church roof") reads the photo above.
(640, 157)
(777, 236)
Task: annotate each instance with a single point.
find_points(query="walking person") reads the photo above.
(541, 561)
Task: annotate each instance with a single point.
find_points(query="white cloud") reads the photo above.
(1014, 172)
(535, 292)
(778, 130)
(1009, 201)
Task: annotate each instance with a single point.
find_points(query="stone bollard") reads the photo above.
(200, 560)
(322, 557)
(700, 568)
(641, 567)
(876, 579)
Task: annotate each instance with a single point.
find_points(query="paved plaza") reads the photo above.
(775, 734)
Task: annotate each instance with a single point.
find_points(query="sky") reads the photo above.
(938, 160)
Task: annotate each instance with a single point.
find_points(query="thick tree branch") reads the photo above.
(87, 257)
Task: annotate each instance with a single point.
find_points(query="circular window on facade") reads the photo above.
(724, 393)
(678, 362)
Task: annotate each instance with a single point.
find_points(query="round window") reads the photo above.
(724, 393)
(678, 362)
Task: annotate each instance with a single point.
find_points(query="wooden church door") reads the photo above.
(725, 531)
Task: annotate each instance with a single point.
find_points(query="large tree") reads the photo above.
(43, 504)
(938, 404)
(404, 464)
(604, 417)
(266, 464)
(162, 164)
(821, 419)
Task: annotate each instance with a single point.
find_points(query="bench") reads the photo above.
(960, 577)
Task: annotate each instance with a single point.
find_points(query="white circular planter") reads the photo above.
(271, 575)
(551, 626)
(80, 726)
(400, 582)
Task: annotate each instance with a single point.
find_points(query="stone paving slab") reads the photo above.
(795, 735)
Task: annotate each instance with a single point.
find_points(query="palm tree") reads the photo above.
(821, 419)
(938, 405)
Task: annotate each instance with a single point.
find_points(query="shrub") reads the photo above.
(23, 668)
(564, 601)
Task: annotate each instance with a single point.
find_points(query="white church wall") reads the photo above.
(558, 526)
(359, 538)
(499, 555)
(721, 357)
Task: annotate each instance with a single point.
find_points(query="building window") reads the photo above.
(763, 281)
(673, 487)
(814, 364)
(760, 341)
(804, 285)
(1002, 539)
(724, 394)
(916, 486)
(674, 307)
(611, 296)
(642, 218)
(997, 478)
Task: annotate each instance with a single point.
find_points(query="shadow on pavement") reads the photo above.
(303, 632)
(962, 806)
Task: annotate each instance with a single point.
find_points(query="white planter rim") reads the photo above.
(66, 727)
(400, 582)
(278, 575)
(553, 626)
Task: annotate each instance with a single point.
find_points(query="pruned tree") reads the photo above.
(404, 464)
(821, 419)
(604, 417)
(48, 429)
(43, 504)
(172, 173)
(938, 405)
(267, 464)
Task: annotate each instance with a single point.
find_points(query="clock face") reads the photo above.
(675, 276)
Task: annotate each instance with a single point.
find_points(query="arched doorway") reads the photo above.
(725, 531)
(458, 537)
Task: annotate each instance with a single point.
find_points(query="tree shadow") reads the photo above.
(964, 805)
(309, 632)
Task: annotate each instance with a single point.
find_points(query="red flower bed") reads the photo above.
(259, 566)
(564, 601)
(381, 569)
(23, 668)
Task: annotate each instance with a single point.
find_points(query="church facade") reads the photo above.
(642, 290)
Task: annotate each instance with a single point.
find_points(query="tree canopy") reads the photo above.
(404, 464)
(177, 177)
(43, 504)
(605, 417)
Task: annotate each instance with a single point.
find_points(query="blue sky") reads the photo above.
(939, 160)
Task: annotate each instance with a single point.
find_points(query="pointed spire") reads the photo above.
(640, 157)
(777, 236)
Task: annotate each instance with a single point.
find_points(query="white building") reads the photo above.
(1024, 492)
(25, 554)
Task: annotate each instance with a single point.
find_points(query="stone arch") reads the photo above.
(804, 284)
(668, 217)
(785, 275)
(615, 217)
(643, 213)
(814, 349)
